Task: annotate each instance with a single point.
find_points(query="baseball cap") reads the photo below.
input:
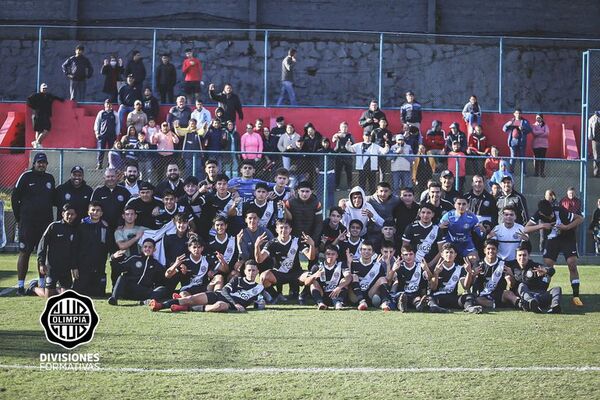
(40, 157)
(146, 186)
(506, 177)
(77, 168)
(454, 125)
(399, 137)
(446, 173)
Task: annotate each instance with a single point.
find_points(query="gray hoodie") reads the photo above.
(352, 212)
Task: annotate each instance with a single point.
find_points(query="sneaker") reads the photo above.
(339, 305)
(474, 310)
(403, 303)
(155, 305)
(178, 308)
(112, 301)
(20, 291)
(321, 306)
(576, 301)
(555, 310)
(534, 306)
(31, 287)
(385, 306)
(437, 309)
(280, 299)
(362, 306)
(176, 296)
(302, 301)
(420, 306)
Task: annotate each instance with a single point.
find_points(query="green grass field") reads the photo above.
(299, 338)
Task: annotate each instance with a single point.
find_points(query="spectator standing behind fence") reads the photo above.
(106, 129)
(192, 76)
(136, 67)
(180, 113)
(326, 176)
(150, 104)
(571, 202)
(472, 114)
(435, 142)
(456, 135)
(78, 69)
(458, 160)
(369, 120)
(128, 95)
(137, 117)
(215, 140)
(410, 111)
(517, 130)
(192, 146)
(234, 145)
(287, 78)
(112, 69)
(343, 162)
(166, 78)
(594, 136)
(421, 171)
(251, 144)
(41, 112)
(540, 132)
(288, 143)
(201, 115)
(165, 141)
(229, 101)
(311, 143)
(400, 165)
(477, 147)
(270, 146)
(367, 162)
(492, 163)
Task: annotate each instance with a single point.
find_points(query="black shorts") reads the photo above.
(194, 288)
(449, 300)
(286, 278)
(58, 275)
(495, 296)
(30, 235)
(214, 297)
(41, 123)
(556, 246)
(190, 87)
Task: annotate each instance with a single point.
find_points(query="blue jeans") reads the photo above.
(401, 179)
(287, 86)
(517, 151)
(330, 190)
(123, 111)
(104, 142)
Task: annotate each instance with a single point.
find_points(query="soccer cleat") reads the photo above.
(534, 305)
(339, 305)
(555, 310)
(20, 291)
(31, 287)
(178, 308)
(155, 305)
(176, 296)
(362, 306)
(280, 299)
(385, 306)
(301, 300)
(437, 309)
(402, 302)
(112, 301)
(576, 301)
(420, 306)
(474, 310)
(321, 306)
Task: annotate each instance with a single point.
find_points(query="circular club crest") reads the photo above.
(48, 185)
(120, 197)
(67, 196)
(138, 264)
(69, 319)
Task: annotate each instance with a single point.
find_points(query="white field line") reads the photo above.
(318, 370)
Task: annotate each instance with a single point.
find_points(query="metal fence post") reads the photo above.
(456, 178)
(325, 169)
(522, 177)
(61, 165)
(380, 77)
(585, 97)
(39, 61)
(193, 163)
(500, 52)
(265, 88)
(153, 61)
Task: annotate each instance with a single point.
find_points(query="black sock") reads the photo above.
(575, 287)
(316, 295)
(395, 288)
(305, 291)
(384, 293)
(169, 303)
(272, 292)
(357, 292)
(468, 301)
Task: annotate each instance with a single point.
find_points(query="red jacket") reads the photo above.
(435, 142)
(478, 144)
(192, 72)
(491, 165)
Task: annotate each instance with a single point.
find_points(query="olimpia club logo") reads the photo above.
(69, 319)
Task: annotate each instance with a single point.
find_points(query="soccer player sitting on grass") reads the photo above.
(409, 284)
(237, 295)
(284, 251)
(199, 273)
(531, 280)
(444, 284)
(559, 225)
(368, 279)
(142, 275)
(490, 283)
(328, 286)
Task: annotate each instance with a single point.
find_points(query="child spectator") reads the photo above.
(115, 157)
(459, 160)
(150, 130)
(492, 164)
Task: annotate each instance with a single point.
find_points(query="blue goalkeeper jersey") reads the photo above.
(460, 227)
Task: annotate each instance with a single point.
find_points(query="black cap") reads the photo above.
(506, 177)
(145, 186)
(389, 222)
(191, 180)
(40, 157)
(77, 168)
(446, 173)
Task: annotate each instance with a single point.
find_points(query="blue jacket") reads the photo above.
(521, 140)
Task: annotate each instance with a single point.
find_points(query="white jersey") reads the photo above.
(508, 240)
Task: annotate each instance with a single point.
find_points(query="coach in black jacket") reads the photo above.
(74, 192)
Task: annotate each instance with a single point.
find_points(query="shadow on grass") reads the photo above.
(25, 344)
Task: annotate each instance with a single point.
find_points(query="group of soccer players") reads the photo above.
(226, 244)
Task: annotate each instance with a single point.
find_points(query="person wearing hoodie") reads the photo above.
(435, 142)
(358, 208)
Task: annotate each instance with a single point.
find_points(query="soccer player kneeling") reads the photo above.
(237, 295)
(328, 287)
(368, 278)
(409, 284)
(444, 284)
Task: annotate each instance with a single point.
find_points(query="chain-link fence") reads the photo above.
(333, 69)
(332, 175)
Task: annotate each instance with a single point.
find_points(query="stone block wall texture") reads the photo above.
(333, 69)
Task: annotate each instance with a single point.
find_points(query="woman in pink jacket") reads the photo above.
(540, 132)
(251, 144)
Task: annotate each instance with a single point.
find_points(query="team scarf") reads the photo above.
(158, 235)
(288, 262)
(370, 277)
(491, 284)
(452, 282)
